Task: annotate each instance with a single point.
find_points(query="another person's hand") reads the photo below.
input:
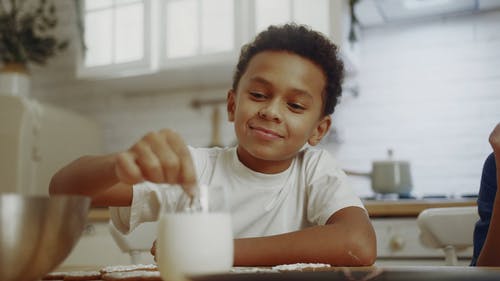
(160, 157)
(495, 139)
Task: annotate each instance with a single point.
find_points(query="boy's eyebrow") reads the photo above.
(262, 80)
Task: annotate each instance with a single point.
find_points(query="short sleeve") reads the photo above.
(328, 188)
(145, 206)
(327, 195)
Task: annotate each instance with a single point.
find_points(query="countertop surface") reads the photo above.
(376, 208)
(395, 273)
(411, 207)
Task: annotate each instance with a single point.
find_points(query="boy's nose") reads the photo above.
(270, 112)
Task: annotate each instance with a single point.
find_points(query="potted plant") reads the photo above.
(25, 38)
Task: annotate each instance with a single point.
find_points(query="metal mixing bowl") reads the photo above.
(37, 233)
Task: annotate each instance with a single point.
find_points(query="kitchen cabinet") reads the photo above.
(395, 224)
(96, 247)
(398, 243)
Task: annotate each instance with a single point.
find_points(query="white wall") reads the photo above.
(124, 117)
(430, 91)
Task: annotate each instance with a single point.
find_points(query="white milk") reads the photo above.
(194, 243)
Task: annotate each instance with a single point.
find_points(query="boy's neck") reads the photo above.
(260, 165)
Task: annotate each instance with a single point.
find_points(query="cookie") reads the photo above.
(302, 267)
(82, 276)
(137, 275)
(73, 275)
(131, 267)
(55, 276)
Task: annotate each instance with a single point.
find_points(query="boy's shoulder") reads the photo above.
(315, 154)
(317, 158)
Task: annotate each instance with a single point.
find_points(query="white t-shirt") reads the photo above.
(306, 194)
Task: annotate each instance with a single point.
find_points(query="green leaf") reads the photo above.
(25, 33)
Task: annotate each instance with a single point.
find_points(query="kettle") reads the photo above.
(390, 176)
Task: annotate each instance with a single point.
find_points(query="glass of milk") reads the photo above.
(194, 234)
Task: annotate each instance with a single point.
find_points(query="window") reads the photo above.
(130, 37)
(196, 27)
(313, 13)
(114, 32)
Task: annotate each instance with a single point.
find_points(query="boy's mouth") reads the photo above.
(265, 133)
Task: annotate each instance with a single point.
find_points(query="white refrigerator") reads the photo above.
(37, 139)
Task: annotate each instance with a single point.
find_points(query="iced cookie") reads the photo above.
(82, 276)
(302, 267)
(55, 276)
(138, 275)
(73, 275)
(131, 267)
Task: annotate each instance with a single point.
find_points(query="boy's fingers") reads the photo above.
(126, 169)
(170, 164)
(186, 175)
(148, 162)
(158, 157)
(169, 161)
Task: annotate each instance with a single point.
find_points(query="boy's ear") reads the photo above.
(231, 105)
(320, 131)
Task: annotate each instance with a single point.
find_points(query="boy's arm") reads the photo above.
(93, 176)
(490, 253)
(160, 157)
(348, 239)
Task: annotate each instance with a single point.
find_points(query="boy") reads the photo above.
(487, 230)
(289, 204)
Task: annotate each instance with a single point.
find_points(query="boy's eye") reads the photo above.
(296, 106)
(257, 95)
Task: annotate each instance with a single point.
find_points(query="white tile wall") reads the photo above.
(431, 92)
(428, 90)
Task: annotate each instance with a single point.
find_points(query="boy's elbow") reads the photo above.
(365, 256)
(361, 250)
(56, 184)
(53, 185)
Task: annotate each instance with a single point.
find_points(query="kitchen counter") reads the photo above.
(411, 207)
(395, 273)
(376, 208)
(367, 273)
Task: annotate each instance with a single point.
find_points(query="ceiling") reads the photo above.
(379, 12)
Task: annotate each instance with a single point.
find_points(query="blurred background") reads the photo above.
(422, 77)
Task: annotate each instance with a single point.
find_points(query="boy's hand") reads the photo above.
(160, 157)
(495, 139)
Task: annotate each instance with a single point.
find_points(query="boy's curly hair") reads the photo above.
(305, 42)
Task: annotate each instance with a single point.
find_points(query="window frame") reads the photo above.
(155, 60)
(200, 59)
(144, 65)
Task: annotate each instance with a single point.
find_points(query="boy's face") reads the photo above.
(277, 109)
